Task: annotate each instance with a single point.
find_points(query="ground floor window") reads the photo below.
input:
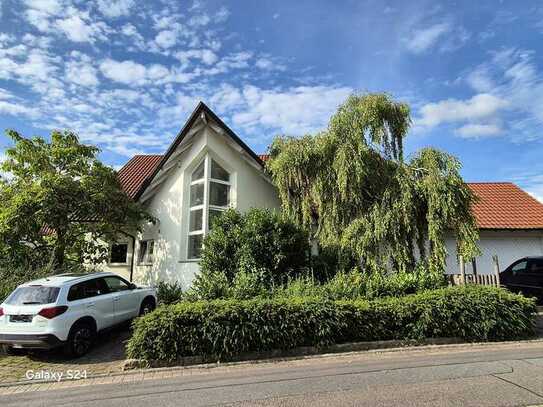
(147, 249)
(118, 253)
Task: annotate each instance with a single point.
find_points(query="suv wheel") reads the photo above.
(147, 306)
(80, 339)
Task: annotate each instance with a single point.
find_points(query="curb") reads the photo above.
(303, 351)
(135, 367)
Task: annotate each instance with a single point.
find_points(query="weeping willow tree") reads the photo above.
(352, 186)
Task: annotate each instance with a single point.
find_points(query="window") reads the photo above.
(147, 249)
(536, 266)
(119, 253)
(116, 284)
(35, 294)
(519, 267)
(87, 289)
(209, 196)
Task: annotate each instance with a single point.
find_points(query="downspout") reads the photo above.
(133, 256)
(133, 253)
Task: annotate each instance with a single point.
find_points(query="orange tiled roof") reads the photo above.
(136, 171)
(502, 205)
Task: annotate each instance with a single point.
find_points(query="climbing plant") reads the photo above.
(353, 187)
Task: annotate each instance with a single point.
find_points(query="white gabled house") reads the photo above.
(208, 168)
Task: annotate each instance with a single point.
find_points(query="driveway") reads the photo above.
(106, 357)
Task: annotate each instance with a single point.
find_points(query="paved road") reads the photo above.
(496, 375)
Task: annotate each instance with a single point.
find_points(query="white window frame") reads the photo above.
(145, 260)
(206, 206)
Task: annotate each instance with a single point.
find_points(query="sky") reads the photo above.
(126, 74)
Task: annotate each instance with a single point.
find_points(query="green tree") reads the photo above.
(351, 181)
(57, 201)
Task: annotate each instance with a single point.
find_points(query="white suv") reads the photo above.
(69, 310)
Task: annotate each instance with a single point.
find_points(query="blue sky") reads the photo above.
(125, 74)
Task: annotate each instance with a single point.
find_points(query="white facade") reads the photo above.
(167, 199)
(508, 245)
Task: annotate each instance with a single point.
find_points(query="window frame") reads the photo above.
(143, 258)
(115, 263)
(205, 206)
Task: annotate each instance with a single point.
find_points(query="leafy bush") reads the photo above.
(222, 328)
(258, 240)
(169, 293)
(359, 285)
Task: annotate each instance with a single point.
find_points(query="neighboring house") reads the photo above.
(208, 168)
(510, 225)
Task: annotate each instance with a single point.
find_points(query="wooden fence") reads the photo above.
(475, 278)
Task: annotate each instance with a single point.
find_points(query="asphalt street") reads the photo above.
(500, 375)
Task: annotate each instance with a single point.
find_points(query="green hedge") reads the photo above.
(222, 328)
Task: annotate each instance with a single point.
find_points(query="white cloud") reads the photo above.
(115, 8)
(475, 130)
(207, 56)
(52, 7)
(127, 72)
(135, 74)
(480, 106)
(80, 71)
(131, 31)
(292, 111)
(63, 18)
(479, 80)
(199, 20)
(39, 12)
(512, 75)
(16, 109)
(78, 29)
(423, 39)
(166, 39)
(267, 64)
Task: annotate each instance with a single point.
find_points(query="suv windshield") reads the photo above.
(33, 295)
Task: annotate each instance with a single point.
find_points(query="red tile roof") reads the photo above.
(136, 171)
(502, 205)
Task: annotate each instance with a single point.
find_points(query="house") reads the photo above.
(510, 223)
(208, 168)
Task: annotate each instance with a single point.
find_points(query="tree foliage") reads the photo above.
(57, 200)
(351, 181)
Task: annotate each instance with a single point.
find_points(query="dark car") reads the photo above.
(525, 276)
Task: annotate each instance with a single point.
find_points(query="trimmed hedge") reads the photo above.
(223, 328)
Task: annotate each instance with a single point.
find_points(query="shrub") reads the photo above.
(359, 285)
(222, 328)
(169, 293)
(256, 240)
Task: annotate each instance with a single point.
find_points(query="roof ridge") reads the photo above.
(491, 182)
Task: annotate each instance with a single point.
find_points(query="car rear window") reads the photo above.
(33, 295)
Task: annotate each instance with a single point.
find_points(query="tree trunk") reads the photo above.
(59, 249)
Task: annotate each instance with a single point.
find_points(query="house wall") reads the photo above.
(170, 205)
(122, 269)
(508, 245)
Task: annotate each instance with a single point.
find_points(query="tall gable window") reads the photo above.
(209, 196)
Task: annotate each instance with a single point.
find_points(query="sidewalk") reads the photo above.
(135, 376)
